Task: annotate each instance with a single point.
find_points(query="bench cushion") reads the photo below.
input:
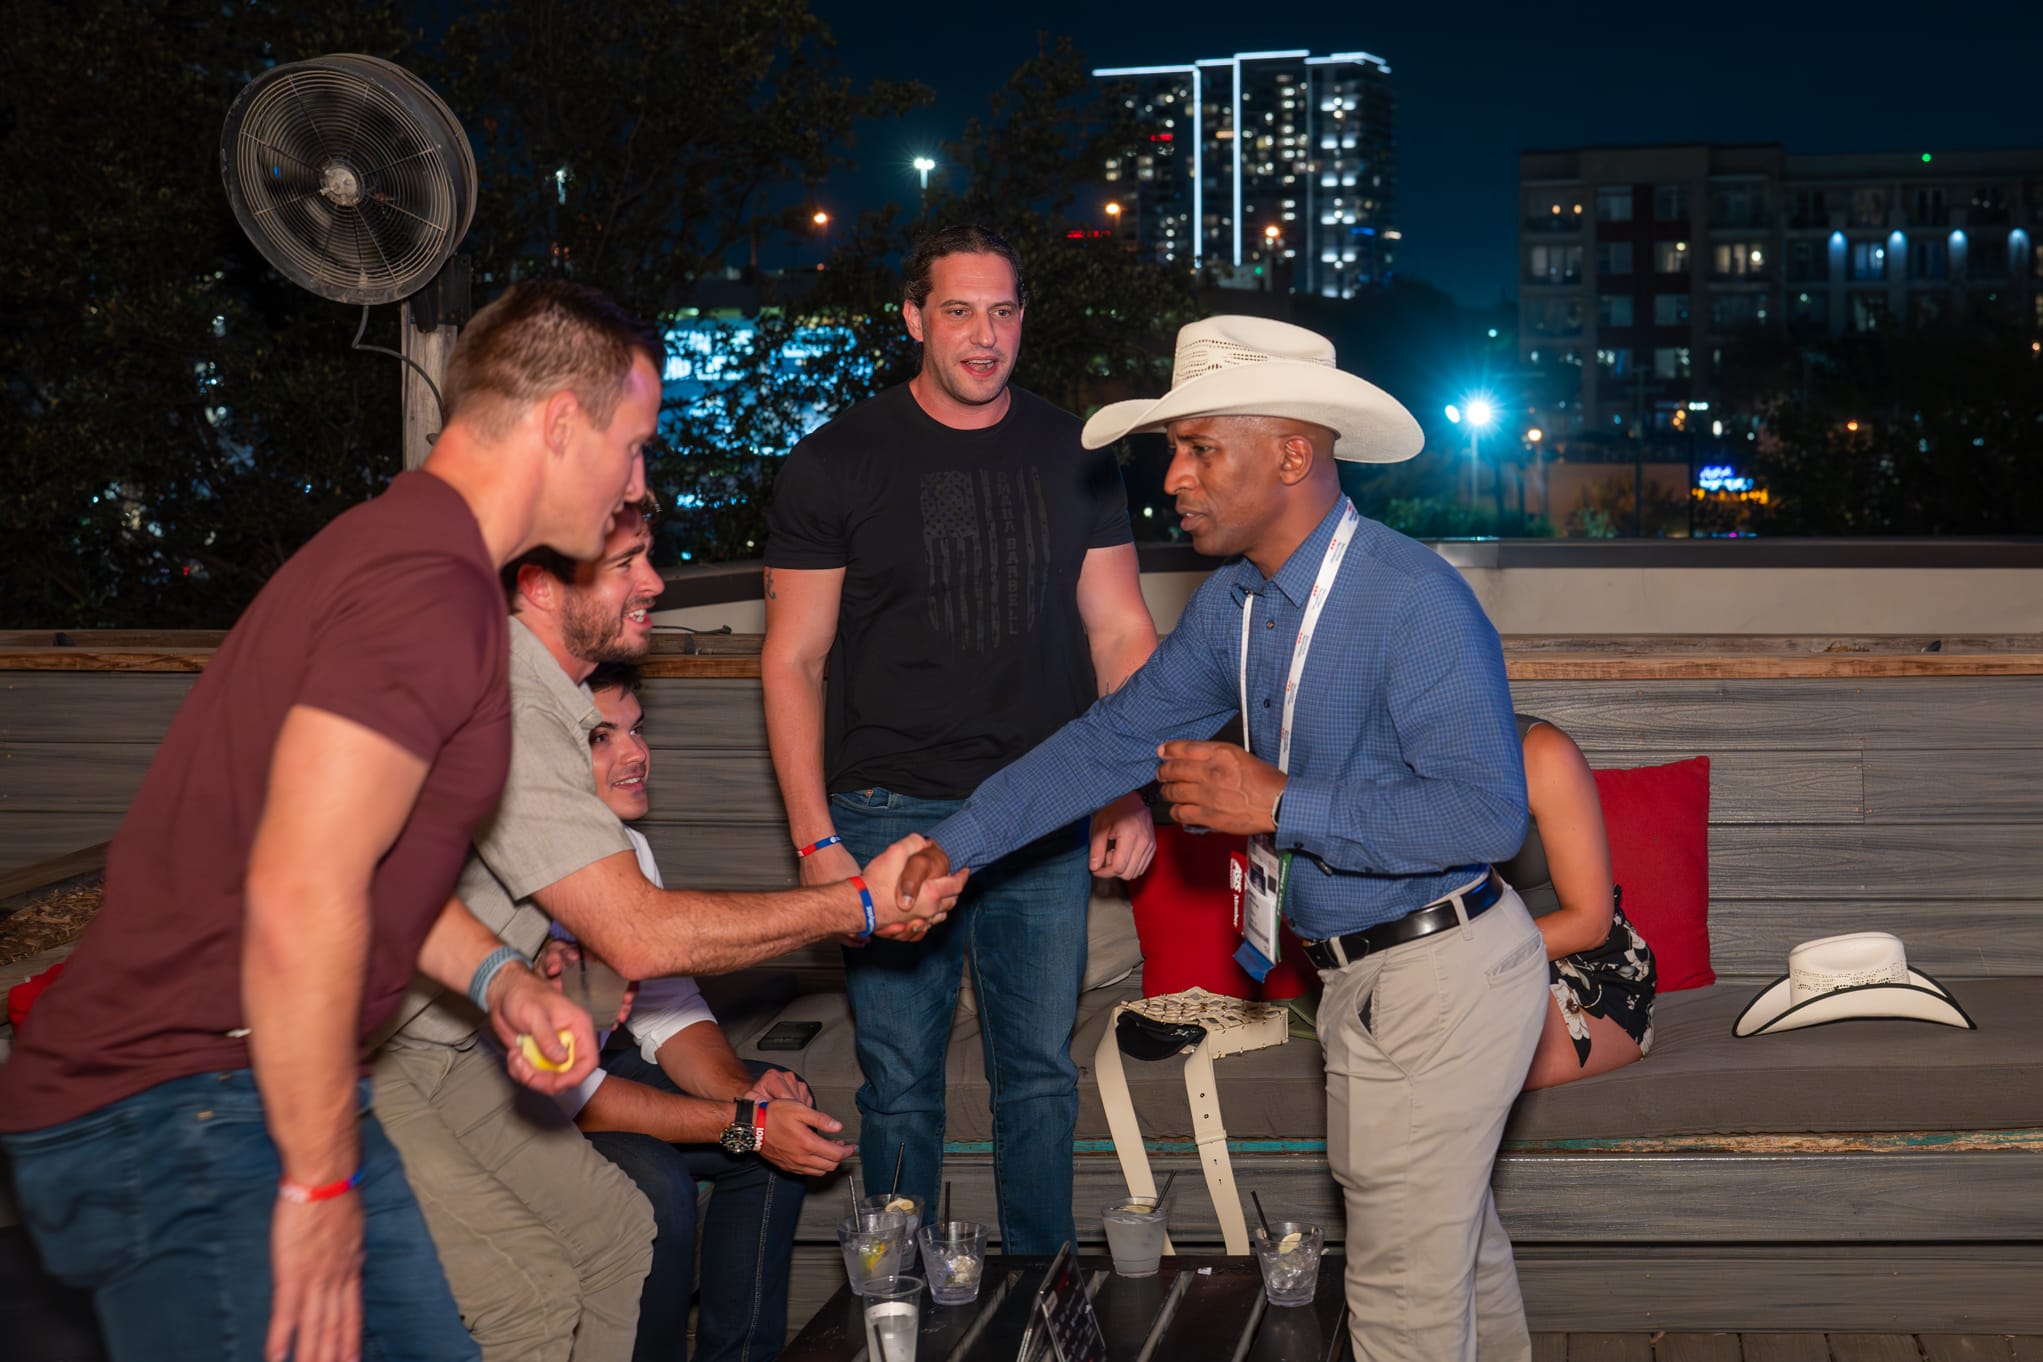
(1865, 1075)
(1699, 1080)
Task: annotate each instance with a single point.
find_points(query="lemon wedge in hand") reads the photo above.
(529, 1047)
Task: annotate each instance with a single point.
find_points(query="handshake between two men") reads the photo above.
(910, 888)
(1209, 787)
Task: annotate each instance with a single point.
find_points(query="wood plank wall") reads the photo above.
(1836, 804)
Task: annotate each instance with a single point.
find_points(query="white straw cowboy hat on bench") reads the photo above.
(1252, 366)
(1839, 978)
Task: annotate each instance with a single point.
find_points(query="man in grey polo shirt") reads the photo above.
(545, 1241)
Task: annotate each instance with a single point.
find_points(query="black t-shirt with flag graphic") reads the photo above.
(959, 643)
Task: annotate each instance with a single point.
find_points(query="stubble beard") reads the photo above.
(594, 637)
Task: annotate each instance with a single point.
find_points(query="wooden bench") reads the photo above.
(1858, 783)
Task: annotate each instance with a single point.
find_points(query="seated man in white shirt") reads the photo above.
(659, 1110)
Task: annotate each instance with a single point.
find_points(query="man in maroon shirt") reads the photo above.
(186, 1118)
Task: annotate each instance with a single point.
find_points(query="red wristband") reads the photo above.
(306, 1196)
(803, 853)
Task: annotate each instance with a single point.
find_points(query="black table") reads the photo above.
(1193, 1309)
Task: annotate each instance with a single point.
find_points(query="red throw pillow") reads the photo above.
(1657, 818)
(1184, 916)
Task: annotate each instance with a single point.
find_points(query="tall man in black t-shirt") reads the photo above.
(966, 571)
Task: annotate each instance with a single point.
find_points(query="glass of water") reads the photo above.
(893, 1317)
(1289, 1254)
(954, 1259)
(873, 1243)
(1135, 1233)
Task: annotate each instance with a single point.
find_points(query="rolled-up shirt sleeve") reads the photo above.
(665, 1008)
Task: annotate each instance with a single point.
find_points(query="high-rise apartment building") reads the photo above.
(1246, 161)
(1639, 264)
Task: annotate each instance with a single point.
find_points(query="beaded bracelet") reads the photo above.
(865, 901)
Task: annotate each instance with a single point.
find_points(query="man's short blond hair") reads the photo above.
(542, 336)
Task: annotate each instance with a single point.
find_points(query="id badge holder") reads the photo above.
(1262, 905)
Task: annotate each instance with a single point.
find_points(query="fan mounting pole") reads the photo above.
(429, 350)
(429, 327)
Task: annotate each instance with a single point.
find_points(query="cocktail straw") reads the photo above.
(1162, 1196)
(1257, 1197)
(900, 1151)
(851, 1190)
(946, 1201)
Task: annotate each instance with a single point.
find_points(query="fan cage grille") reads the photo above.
(355, 182)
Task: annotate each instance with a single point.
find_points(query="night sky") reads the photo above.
(1478, 83)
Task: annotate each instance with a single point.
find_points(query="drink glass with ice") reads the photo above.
(1288, 1253)
(954, 1259)
(873, 1242)
(902, 1204)
(1135, 1233)
(893, 1317)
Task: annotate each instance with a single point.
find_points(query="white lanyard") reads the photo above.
(1322, 587)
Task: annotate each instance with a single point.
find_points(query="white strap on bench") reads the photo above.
(1232, 1026)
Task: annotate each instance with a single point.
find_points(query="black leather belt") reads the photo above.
(1340, 951)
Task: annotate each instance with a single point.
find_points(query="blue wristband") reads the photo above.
(865, 901)
(486, 973)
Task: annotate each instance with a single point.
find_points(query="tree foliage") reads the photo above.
(179, 419)
(1930, 432)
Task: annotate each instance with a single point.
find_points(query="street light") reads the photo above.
(1477, 412)
(1113, 210)
(923, 165)
(821, 218)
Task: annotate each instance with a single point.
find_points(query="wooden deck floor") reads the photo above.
(1787, 1348)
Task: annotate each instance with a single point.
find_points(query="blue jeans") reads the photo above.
(160, 1204)
(1023, 922)
(747, 1237)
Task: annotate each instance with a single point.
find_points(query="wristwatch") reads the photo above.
(745, 1134)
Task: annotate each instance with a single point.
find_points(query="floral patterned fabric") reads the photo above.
(1613, 980)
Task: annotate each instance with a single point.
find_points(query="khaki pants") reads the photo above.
(545, 1242)
(1426, 1046)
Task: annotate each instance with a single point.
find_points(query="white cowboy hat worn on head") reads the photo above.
(1252, 366)
(1837, 978)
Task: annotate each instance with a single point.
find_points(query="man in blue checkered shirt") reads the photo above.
(1383, 767)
